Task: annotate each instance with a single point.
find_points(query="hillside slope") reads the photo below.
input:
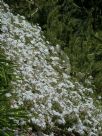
(55, 103)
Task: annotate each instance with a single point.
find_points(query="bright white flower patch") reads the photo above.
(43, 80)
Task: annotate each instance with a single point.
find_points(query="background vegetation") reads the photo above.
(74, 24)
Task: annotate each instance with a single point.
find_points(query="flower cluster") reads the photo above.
(43, 83)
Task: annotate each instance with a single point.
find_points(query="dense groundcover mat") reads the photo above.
(55, 104)
(74, 24)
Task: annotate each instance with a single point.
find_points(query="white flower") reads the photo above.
(8, 95)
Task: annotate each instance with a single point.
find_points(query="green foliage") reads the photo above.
(56, 106)
(70, 120)
(5, 78)
(8, 115)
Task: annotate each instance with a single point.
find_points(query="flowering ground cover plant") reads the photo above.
(54, 102)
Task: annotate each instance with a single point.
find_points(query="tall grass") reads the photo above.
(8, 115)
